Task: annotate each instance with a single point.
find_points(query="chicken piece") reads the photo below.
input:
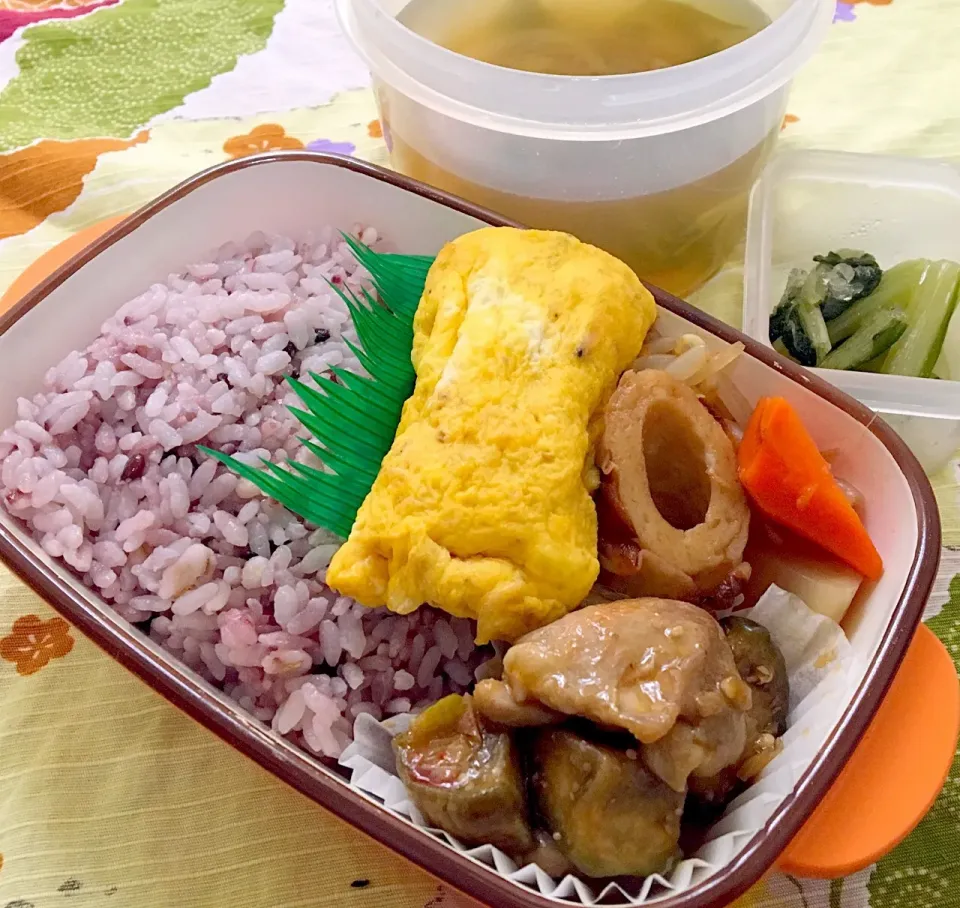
(702, 748)
(660, 669)
(609, 815)
(465, 777)
(673, 516)
(482, 506)
(635, 664)
(494, 701)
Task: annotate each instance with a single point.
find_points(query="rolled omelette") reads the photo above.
(482, 506)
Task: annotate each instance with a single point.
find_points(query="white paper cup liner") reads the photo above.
(820, 665)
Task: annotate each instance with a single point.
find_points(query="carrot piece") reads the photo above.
(789, 481)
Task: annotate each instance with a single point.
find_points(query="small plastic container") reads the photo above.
(809, 202)
(653, 166)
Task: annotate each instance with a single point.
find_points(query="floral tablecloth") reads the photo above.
(108, 795)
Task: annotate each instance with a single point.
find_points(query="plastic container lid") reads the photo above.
(809, 202)
(586, 107)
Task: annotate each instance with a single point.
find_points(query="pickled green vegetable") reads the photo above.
(896, 290)
(846, 325)
(835, 283)
(874, 337)
(849, 275)
(465, 777)
(797, 321)
(873, 365)
(609, 815)
(788, 301)
(814, 328)
(900, 283)
(851, 291)
(948, 360)
(781, 349)
(928, 316)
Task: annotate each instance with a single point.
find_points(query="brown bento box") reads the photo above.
(291, 192)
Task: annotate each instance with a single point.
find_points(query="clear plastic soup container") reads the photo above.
(653, 166)
(809, 202)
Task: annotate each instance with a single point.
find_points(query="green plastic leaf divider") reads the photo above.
(352, 418)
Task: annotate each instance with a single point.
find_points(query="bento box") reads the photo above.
(289, 194)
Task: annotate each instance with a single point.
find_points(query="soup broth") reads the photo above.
(676, 238)
(582, 38)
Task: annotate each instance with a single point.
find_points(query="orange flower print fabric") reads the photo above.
(266, 137)
(33, 643)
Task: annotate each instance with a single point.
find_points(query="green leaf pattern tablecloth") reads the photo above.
(109, 796)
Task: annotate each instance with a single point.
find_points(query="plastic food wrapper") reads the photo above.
(820, 664)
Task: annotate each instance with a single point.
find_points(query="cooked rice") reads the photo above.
(102, 466)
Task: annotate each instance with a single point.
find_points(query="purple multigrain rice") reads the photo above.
(102, 465)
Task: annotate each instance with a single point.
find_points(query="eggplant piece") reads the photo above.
(548, 857)
(608, 814)
(760, 664)
(465, 778)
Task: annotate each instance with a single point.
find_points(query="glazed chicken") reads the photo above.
(659, 669)
(673, 516)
